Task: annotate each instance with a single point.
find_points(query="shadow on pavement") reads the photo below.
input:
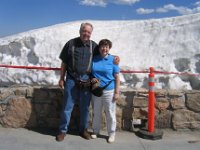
(45, 131)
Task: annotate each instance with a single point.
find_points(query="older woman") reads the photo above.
(107, 73)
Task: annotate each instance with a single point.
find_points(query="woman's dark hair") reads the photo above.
(105, 42)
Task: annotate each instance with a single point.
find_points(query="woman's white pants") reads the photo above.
(106, 102)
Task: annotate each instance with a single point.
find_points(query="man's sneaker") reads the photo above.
(111, 139)
(60, 137)
(93, 136)
(85, 135)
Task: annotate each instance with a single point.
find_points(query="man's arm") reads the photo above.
(95, 49)
(62, 75)
(63, 56)
(116, 60)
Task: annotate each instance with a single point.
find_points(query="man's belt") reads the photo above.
(83, 84)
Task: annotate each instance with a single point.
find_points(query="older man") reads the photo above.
(76, 59)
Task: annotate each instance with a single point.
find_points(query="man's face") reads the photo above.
(85, 33)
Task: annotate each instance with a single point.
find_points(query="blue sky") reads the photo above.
(22, 15)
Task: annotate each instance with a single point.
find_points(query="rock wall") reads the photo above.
(36, 106)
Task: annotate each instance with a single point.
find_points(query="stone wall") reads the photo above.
(34, 106)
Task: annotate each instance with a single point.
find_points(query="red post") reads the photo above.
(151, 101)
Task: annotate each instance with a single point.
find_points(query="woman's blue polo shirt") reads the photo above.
(104, 69)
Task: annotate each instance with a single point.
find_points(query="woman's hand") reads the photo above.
(61, 83)
(94, 80)
(116, 96)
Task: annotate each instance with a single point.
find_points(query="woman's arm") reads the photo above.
(117, 86)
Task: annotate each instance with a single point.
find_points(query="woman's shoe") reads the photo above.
(111, 139)
(93, 136)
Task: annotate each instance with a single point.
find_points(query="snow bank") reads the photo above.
(170, 44)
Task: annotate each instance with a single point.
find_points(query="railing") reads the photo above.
(151, 97)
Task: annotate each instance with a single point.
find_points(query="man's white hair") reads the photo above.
(85, 24)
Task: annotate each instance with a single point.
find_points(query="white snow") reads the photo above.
(170, 44)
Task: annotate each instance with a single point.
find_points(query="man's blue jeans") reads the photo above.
(74, 95)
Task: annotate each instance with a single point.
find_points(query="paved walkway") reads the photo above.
(23, 139)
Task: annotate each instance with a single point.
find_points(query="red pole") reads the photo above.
(151, 101)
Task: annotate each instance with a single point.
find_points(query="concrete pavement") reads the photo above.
(24, 139)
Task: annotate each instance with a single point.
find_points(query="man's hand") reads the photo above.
(116, 60)
(61, 83)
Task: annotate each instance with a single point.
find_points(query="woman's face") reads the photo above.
(104, 50)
